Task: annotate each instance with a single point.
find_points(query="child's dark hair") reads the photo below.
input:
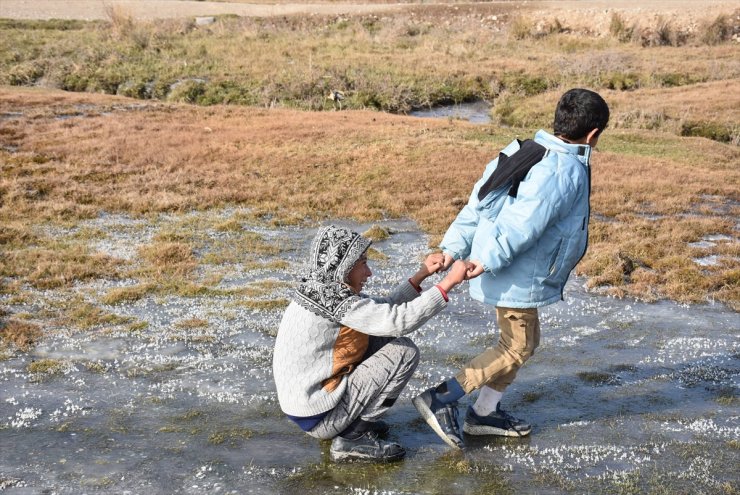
(580, 111)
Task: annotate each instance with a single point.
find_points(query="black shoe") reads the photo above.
(443, 419)
(380, 427)
(499, 422)
(367, 447)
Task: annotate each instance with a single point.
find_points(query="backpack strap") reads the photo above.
(513, 169)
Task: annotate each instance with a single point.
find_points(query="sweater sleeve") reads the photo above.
(392, 320)
(404, 292)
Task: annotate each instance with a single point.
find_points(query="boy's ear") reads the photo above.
(591, 136)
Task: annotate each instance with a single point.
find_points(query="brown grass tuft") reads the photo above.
(57, 265)
(191, 323)
(21, 334)
(127, 294)
(169, 259)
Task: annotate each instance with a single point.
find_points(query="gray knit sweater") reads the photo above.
(305, 343)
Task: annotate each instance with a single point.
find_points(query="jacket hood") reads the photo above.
(323, 290)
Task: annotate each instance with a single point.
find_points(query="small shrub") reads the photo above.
(618, 28)
(76, 81)
(717, 31)
(526, 84)
(710, 130)
(520, 28)
(135, 89)
(190, 91)
(667, 33)
(25, 74)
(623, 81)
(674, 79)
(226, 92)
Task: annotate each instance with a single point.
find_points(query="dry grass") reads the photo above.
(127, 294)
(84, 315)
(653, 192)
(713, 104)
(65, 157)
(20, 334)
(378, 61)
(191, 323)
(53, 265)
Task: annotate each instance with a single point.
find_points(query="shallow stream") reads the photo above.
(625, 397)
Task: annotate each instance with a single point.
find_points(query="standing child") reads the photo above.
(526, 227)
(340, 360)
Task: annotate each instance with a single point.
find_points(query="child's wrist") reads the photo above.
(443, 292)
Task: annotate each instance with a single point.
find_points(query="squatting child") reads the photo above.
(340, 360)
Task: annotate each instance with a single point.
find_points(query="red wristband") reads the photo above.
(444, 293)
(418, 289)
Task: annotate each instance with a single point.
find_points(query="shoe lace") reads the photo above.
(511, 421)
(372, 436)
(452, 415)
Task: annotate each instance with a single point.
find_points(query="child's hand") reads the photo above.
(448, 260)
(455, 276)
(475, 268)
(433, 263)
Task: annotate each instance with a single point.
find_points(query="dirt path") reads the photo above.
(160, 9)
(154, 9)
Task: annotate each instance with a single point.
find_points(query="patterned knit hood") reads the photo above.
(323, 290)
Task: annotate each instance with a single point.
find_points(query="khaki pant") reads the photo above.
(519, 336)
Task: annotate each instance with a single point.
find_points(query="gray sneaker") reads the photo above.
(499, 422)
(367, 447)
(443, 419)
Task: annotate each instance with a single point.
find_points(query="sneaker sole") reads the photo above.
(354, 456)
(431, 420)
(481, 430)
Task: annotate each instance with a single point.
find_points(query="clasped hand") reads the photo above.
(439, 262)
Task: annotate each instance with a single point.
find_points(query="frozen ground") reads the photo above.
(625, 397)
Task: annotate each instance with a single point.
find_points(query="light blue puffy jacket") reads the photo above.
(528, 244)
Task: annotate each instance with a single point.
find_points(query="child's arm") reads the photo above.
(393, 320)
(432, 264)
(406, 291)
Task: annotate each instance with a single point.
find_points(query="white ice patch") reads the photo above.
(591, 460)
(69, 409)
(704, 427)
(682, 349)
(24, 418)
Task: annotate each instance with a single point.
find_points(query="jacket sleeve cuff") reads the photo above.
(418, 289)
(443, 292)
